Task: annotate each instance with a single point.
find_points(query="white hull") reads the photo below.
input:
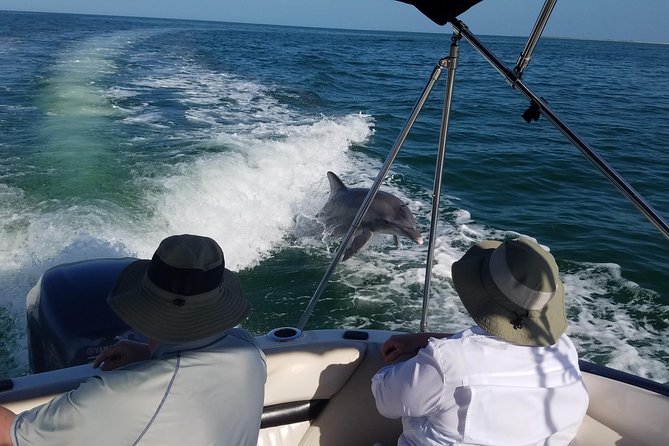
(318, 393)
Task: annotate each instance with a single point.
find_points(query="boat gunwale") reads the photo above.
(62, 380)
(624, 377)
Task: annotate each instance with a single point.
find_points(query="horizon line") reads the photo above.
(319, 27)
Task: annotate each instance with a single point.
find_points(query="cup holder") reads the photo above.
(283, 334)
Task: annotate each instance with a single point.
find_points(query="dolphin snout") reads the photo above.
(414, 235)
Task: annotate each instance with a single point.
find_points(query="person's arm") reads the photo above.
(6, 419)
(121, 354)
(405, 346)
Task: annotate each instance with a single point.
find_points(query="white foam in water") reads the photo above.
(248, 198)
(611, 330)
(259, 176)
(72, 89)
(270, 167)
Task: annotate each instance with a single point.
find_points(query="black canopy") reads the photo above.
(442, 11)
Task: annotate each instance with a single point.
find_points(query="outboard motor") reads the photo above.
(69, 320)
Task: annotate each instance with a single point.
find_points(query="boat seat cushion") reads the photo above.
(296, 373)
(592, 432)
(317, 371)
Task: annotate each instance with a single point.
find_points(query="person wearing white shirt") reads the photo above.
(513, 379)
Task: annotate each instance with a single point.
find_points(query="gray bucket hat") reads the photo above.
(184, 293)
(512, 289)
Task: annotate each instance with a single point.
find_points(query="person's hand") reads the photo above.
(6, 419)
(122, 353)
(403, 346)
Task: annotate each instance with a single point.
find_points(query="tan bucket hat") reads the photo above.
(184, 293)
(512, 289)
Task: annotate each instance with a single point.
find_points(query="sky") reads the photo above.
(642, 20)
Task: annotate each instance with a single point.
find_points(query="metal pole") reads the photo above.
(526, 55)
(623, 186)
(370, 196)
(451, 62)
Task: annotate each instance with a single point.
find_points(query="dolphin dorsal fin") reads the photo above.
(335, 184)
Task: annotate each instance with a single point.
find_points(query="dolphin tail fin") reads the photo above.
(358, 243)
(335, 184)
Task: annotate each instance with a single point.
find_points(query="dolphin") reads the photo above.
(387, 214)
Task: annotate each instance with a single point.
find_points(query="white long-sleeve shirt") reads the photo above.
(476, 389)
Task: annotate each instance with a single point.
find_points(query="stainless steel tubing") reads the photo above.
(451, 62)
(526, 54)
(627, 190)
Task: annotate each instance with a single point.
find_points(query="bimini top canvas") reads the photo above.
(442, 11)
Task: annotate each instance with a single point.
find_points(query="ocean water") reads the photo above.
(116, 132)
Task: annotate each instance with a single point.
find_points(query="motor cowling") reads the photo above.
(69, 320)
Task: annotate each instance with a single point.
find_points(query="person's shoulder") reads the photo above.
(461, 336)
(244, 341)
(472, 340)
(565, 345)
(454, 341)
(240, 338)
(566, 341)
(240, 334)
(123, 378)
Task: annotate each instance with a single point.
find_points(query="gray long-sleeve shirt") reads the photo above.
(196, 395)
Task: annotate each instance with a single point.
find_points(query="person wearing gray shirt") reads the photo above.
(197, 381)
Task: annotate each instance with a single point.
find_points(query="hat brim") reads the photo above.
(176, 320)
(493, 312)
